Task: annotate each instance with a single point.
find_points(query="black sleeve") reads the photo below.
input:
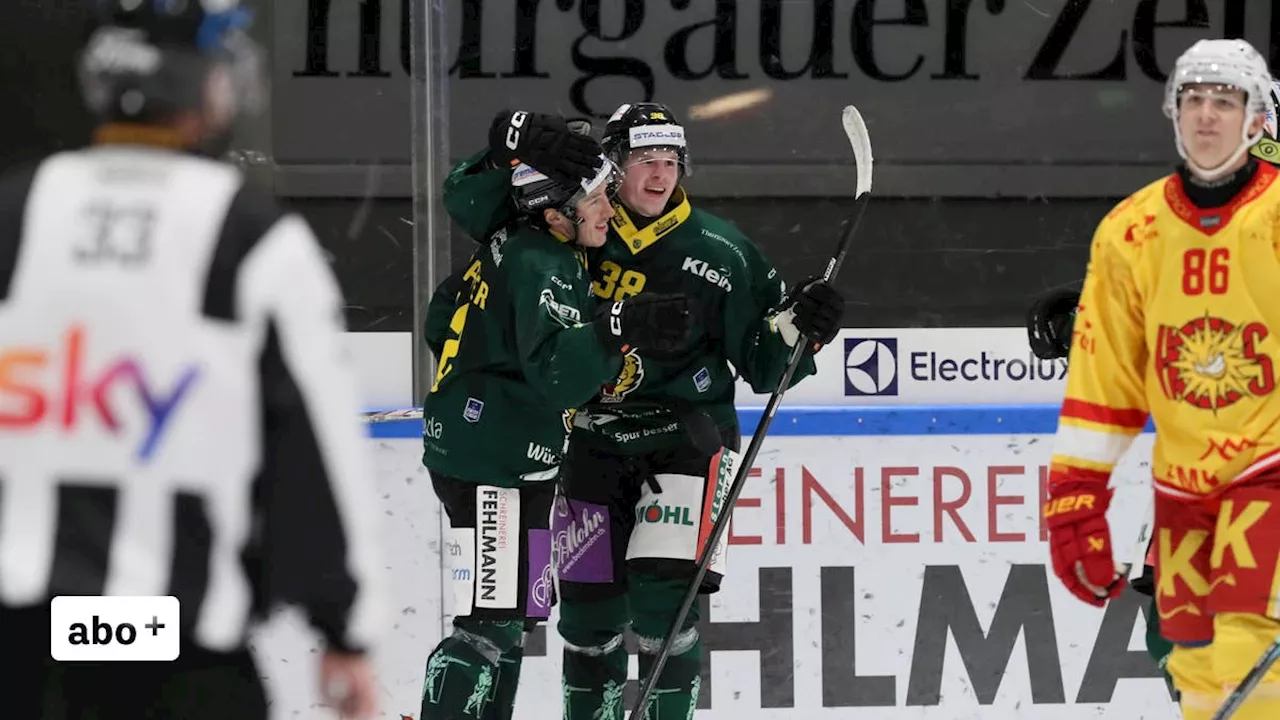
(315, 530)
(307, 560)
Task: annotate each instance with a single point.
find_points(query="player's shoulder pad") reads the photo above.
(532, 248)
(476, 163)
(721, 240)
(520, 238)
(1138, 209)
(509, 240)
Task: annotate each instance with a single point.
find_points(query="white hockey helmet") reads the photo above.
(1272, 124)
(1234, 63)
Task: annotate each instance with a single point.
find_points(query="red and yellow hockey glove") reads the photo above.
(1080, 541)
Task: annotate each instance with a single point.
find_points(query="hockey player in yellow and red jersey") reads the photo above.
(1178, 323)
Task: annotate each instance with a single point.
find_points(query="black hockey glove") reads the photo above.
(648, 322)
(813, 310)
(1050, 322)
(547, 143)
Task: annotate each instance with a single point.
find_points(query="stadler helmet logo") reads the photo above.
(871, 366)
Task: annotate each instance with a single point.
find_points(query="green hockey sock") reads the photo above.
(594, 666)
(502, 701)
(654, 601)
(675, 695)
(463, 669)
(593, 682)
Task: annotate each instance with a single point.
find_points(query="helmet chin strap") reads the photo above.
(1211, 174)
(575, 221)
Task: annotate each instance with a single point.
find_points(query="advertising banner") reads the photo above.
(903, 578)
(1017, 99)
(926, 366)
(889, 577)
(862, 367)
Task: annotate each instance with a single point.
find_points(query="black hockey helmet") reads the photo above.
(534, 192)
(1050, 321)
(147, 60)
(644, 126)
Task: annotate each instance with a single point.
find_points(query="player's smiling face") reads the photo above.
(595, 211)
(649, 177)
(1210, 120)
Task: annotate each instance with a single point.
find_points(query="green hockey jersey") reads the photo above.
(732, 286)
(516, 357)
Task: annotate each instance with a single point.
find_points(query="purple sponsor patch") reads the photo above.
(541, 583)
(580, 549)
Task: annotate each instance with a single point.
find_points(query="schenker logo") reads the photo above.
(700, 268)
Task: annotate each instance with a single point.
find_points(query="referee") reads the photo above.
(177, 414)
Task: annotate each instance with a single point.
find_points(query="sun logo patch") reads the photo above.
(1211, 363)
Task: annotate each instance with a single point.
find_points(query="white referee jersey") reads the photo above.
(177, 415)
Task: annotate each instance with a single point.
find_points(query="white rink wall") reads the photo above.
(862, 367)
(886, 563)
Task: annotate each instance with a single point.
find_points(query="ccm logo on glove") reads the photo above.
(545, 143)
(615, 319)
(513, 130)
(652, 323)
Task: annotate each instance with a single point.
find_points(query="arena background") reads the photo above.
(1002, 130)
(887, 547)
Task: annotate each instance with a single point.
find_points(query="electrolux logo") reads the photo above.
(871, 366)
(929, 366)
(878, 367)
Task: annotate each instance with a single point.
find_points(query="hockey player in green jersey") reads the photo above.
(650, 451)
(522, 349)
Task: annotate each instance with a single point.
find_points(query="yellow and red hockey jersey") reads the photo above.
(1179, 322)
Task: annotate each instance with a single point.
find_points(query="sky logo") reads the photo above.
(871, 366)
(39, 385)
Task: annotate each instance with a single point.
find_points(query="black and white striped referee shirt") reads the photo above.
(177, 415)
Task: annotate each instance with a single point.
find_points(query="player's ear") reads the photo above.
(550, 215)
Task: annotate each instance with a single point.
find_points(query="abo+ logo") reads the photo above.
(26, 400)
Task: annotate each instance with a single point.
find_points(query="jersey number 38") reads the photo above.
(617, 284)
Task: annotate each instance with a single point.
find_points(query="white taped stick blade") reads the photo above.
(1137, 559)
(860, 141)
(381, 416)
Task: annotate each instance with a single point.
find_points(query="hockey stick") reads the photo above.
(380, 416)
(856, 130)
(1250, 681)
(1124, 570)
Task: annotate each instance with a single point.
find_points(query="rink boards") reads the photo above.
(886, 563)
